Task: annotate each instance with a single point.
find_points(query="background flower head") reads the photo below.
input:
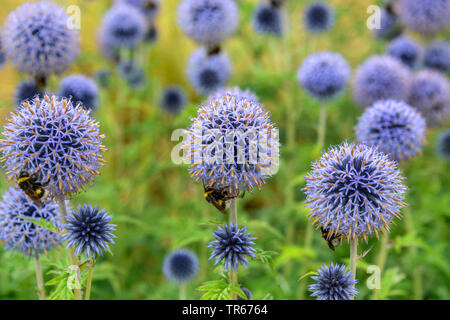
(405, 49)
(37, 39)
(22, 235)
(443, 145)
(80, 89)
(26, 90)
(181, 266)
(173, 99)
(149, 8)
(354, 190)
(425, 16)
(396, 128)
(268, 19)
(234, 91)
(333, 282)
(318, 17)
(55, 139)
(389, 26)
(437, 56)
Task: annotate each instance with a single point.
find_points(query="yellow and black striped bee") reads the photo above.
(332, 240)
(32, 187)
(219, 197)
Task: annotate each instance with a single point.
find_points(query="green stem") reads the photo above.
(381, 262)
(307, 244)
(233, 219)
(182, 291)
(87, 295)
(417, 272)
(39, 278)
(322, 126)
(353, 256)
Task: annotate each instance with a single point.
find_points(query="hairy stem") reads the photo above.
(353, 256)
(233, 220)
(87, 295)
(39, 278)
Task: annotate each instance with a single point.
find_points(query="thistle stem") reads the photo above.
(322, 126)
(182, 291)
(353, 256)
(416, 273)
(381, 261)
(233, 220)
(39, 278)
(87, 295)
(73, 260)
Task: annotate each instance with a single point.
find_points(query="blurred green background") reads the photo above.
(158, 208)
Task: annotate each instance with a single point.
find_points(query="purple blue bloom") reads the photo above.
(324, 75)
(425, 16)
(437, 56)
(80, 89)
(379, 78)
(443, 145)
(173, 99)
(318, 17)
(149, 8)
(405, 49)
(37, 39)
(395, 127)
(57, 140)
(268, 19)
(354, 190)
(2, 54)
(389, 26)
(22, 235)
(333, 282)
(247, 293)
(181, 266)
(26, 90)
(208, 22)
(231, 246)
(234, 91)
(88, 230)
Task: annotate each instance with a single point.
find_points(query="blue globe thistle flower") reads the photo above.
(181, 266)
(268, 19)
(443, 145)
(234, 91)
(26, 90)
(429, 92)
(132, 73)
(208, 22)
(395, 127)
(232, 144)
(247, 293)
(89, 231)
(380, 78)
(318, 17)
(232, 245)
(80, 89)
(123, 26)
(173, 99)
(333, 282)
(405, 49)
(149, 8)
(354, 191)
(22, 235)
(55, 139)
(324, 75)
(103, 78)
(2, 54)
(37, 39)
(207, 73)
(425, 16)
(437, 56)
(389, 26)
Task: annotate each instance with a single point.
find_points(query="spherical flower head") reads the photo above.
(389, 26)
(173, 99)
(232, 144)
(380, 78)
(232, 245)
(81, 90)
(425, 16)
(324, 75)
(247, 293)
(443, 145)
(25, 91)
(437, 56)
(123, 26)
(268, 19)
(181, 266)
(333, 283)
(396, 128)
(89, 231)
(208, 22)
(132, 73)
(406, 50)
(318, 17)
(429, 92)
(208, 73)
(234, 91)
(22, 235)
(38, 40)
(149, 8)
(56, 140)
(354, 191)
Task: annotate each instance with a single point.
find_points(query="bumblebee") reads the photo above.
(32, 187)
(219, 197)
(332, 240)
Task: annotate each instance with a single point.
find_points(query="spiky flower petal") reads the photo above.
(181, 266)
(80, 89)
(333, 282)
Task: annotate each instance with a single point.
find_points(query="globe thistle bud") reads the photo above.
(437, 56)
(22, 235)
(234, 91)
(55, 139)
(149, 8)
(333, 282)
(80, 89)
(89, 231)
(25, 91)
(247, 293)
(406, 50)
(318, 17)
(268, 19)
(396, 128)
(425, 16)
(208, 22)
(324, 75)
(38, 40)
(133, 74)
(380, 78)
(207, 73)
(181, 266)
(173, 99)
(389, 26)
(443, 145)
(232, 245)
(429, 92)
(354, 191)
(232, 144)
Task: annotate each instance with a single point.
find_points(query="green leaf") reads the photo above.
(42, 223)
